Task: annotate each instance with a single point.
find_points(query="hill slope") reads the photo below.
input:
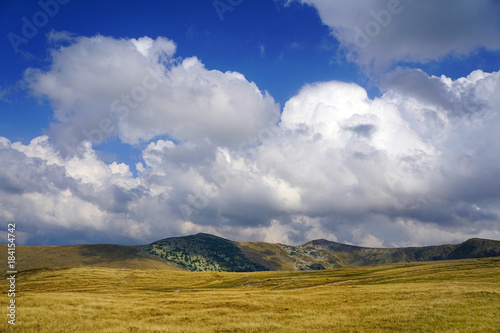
(204, 252)
(96, 255)
(443, 296)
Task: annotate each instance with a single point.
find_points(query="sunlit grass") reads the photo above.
(451, 296)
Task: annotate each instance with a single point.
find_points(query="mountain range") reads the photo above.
(205, 252)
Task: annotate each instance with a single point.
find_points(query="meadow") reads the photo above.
(444, 296)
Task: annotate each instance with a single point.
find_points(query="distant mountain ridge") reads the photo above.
(205, 252)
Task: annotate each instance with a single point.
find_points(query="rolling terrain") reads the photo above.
(204, 283)
(96, 255)
(441, 296)
(205, 252)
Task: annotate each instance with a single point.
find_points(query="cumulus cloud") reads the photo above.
(338, 165)
(136, 89)
(382, 32)
(348, 163)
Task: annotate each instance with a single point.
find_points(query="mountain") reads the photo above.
(475, 248)
(205, 252)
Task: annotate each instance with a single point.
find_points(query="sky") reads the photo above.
(370, 122)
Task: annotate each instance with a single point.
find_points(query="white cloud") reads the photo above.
(101, 87)
(339, 165)
(60, 36)
(381, 32)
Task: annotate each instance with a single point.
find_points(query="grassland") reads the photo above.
(97, 255)
(445, 296)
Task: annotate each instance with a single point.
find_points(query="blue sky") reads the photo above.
(263, 40)
(372, 123)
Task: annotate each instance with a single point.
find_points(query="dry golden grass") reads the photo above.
(96, 255)
(452, 296)
(267, 254)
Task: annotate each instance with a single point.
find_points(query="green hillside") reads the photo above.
(204, 252)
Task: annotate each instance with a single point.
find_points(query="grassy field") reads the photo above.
(446, 296)
(98, 255)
